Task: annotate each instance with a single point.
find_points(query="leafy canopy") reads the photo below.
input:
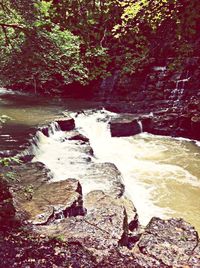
(46, 44)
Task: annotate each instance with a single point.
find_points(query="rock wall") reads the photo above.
(173, 96)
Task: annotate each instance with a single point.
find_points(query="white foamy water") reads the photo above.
(5, 91)
(161, 174)
(66, 159)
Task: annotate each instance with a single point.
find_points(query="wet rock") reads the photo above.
(76, 136)
(104, 227)
(31, 173)
(66, 123)
(44, 130)
(104, 176)
(125, 125)
(80, 137)
(172, 242)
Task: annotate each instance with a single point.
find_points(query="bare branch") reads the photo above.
(17, 26)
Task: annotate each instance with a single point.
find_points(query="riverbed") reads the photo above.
(161, 174)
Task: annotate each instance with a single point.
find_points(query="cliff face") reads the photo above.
(173, 96)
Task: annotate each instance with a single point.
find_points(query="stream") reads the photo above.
(161, 174)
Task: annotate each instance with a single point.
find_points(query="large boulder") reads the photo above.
(53, 201)
(38, 200)
(103, 228)
(172, 242)
(96, 196)
(125, 125)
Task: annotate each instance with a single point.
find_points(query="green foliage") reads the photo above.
(45, 44)
(28, 192)
(10, 176)
(59, 238)
(7, 161)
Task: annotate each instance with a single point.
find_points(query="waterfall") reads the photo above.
(123, 154)
(40, 137)
(178, 92)
(108, 84)
(140, 125)
(53, 128)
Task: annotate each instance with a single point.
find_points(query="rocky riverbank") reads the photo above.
(53, 224)
(171, 96)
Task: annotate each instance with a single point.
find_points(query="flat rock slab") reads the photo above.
(38, 201)
(173, 242)
(53, 201)
(130, 124)
(104, 176)
(34, 174)
(104, 227)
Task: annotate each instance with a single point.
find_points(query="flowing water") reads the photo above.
(161, 174)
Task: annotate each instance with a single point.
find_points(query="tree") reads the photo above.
(48, 43)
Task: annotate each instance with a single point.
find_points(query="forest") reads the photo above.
(99, 133)
(45, 45)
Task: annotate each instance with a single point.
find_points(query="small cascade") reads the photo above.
(53, 128)
(39, 138)
(177, 93)
(108, 84)
(140, 125)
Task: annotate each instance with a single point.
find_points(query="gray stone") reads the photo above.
(124, 125)
(38, 201)
(172, 241)
(53, 201)
(103, 228)
(104, 174)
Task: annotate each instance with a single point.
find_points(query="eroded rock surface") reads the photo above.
(105, 225)
(173, 242)
(38, 200)
(53, 201)
(106, 177)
